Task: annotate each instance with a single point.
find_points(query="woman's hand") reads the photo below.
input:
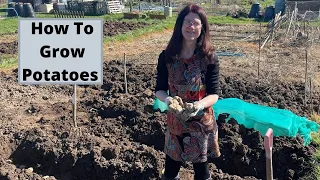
(209, 100)
(175, 104)
(192, 109)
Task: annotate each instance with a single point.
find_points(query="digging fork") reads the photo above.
(268, 143)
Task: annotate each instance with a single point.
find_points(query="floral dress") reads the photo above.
(197, 138)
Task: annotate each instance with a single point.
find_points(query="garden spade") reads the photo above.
(268, 142)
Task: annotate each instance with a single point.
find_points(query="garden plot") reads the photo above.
(121, 137)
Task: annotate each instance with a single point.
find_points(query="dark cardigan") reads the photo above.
(212, 75)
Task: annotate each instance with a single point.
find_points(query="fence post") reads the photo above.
(74, 107)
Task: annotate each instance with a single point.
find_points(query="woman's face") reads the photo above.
(191, 27)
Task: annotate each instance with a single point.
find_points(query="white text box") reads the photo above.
(60, 51)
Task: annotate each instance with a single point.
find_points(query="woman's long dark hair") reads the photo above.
(203, 42)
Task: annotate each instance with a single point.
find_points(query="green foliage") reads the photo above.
(230, 20)
(8, 25)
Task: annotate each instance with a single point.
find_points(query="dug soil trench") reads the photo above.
(121, 137)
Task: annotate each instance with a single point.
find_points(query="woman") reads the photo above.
(189, 69)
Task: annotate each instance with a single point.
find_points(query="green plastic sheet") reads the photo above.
(283, 122)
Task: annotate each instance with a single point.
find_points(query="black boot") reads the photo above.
(209, 178)
(163, 177)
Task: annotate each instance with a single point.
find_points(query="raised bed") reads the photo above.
(131, 15)
(157, 16)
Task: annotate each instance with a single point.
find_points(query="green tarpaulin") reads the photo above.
(283, 122)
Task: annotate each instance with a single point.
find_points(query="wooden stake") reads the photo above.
(272, 30)
(307, 30)
(304, 26)
(294, 20)
(259, 50)
(319, 103)
(311, 101)
(125, 73)
(289, 25)
(265, 41)
(305, 77)
(74, 107)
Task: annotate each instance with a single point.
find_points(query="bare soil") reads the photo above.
(119, 136)
(113, 28)
(9, 47)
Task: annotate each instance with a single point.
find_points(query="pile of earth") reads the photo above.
(9, 48)
(113, 28)
(282, 95)
(123, 138)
